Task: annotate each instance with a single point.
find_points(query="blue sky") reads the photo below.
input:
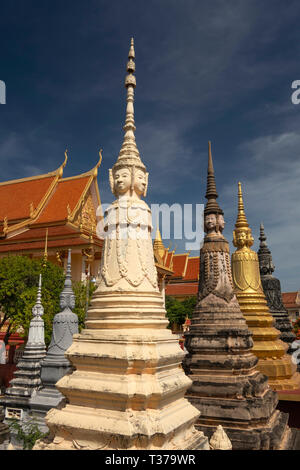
(206, 70)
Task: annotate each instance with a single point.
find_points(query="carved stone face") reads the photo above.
(139, 182)
(210, 222)
(67, 300)
(122, 180)
(221, 222)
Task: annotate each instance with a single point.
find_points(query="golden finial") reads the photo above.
(69, 211)
(31, 210)
(45, 257)
(66, 158)
(95, 173)
(5, 225)
(242, 236)
(241, 221)
(81, 215)
(158, 245)
(59, 257)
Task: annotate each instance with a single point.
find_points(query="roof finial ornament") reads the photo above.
(262, 237)
(45, 257)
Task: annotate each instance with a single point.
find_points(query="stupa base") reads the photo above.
(82, 428)
(281, 373)
(274, 435)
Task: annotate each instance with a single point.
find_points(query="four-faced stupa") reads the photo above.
(272, 291)
(227, 388)
(270, 350)
(127, 389)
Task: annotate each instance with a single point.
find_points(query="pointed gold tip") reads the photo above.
(132, 41)
(241, 218)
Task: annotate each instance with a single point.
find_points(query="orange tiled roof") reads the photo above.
(40, 245)
(67, 192)
(185, 288)
(192, 270)
(179, 264)
(289, 299)
(17, 196)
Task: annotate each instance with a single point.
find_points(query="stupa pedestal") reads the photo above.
(54, 366)
(227, 387)
(4, 431)
(269, 349)
(127, 389)
(272, 290)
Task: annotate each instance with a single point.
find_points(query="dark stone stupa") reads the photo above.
(272, 290)
(227, 388)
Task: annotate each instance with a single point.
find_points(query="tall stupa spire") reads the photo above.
(241, 221)
(227, 388)
(129, 153)
(212, 207)
(126, 362)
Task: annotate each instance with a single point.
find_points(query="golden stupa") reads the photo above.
(270, 350)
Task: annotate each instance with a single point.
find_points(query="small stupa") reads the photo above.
(272, 290)
(127, 389)
(227, 387)
(269, 349)
(55, 365)
(27, 377)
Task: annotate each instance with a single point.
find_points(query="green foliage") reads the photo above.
(19, 277)
(80, 291)
(28, 433)
(177, 311)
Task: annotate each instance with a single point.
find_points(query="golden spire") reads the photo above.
(242, 235)
(212, 207)
(158, 245)
(45, 257)
(270, 350)
(241, 221)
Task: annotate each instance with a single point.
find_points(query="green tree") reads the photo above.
(177, 310)
(19, 277)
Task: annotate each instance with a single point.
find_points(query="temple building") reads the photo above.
(185, 279)
(47, 214)
(291, 301)
(163, 263)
